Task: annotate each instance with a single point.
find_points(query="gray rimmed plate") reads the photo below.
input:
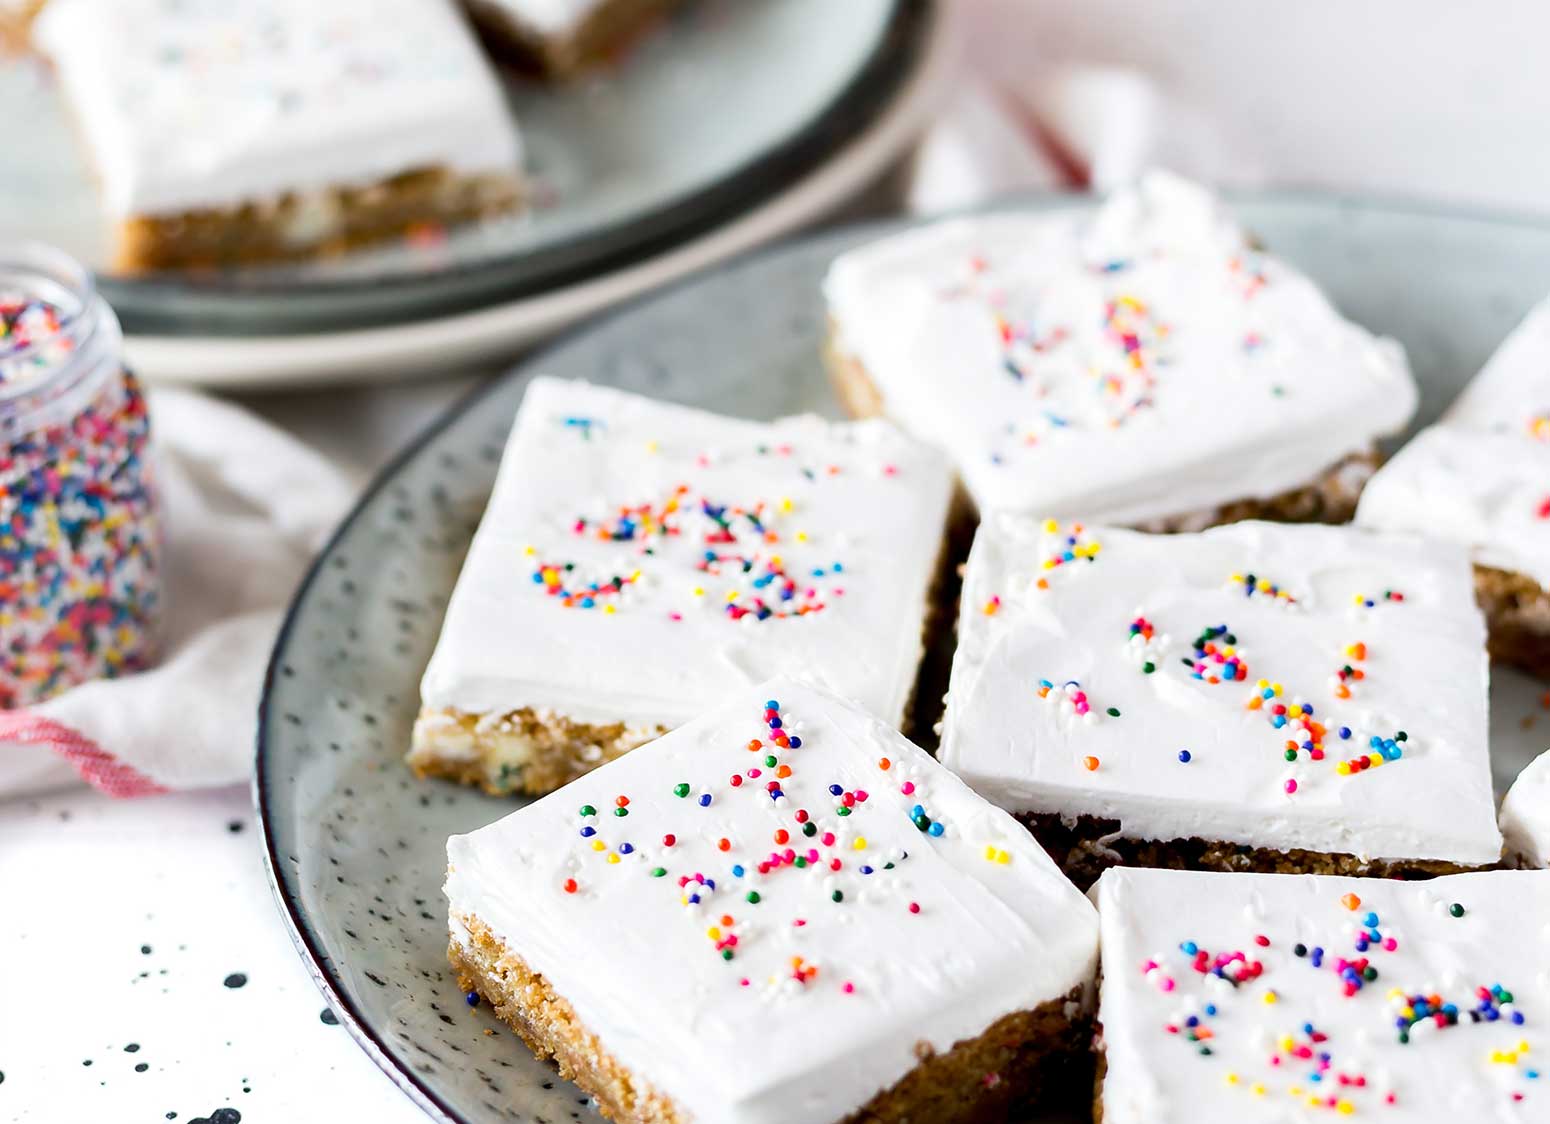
(355, 844)
(721, 109)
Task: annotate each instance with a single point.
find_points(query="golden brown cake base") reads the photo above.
(996, 1076)
(1517, 616)
(521, 751)
(1086, 846)
(16, 25)
(606, 34)
(311, 224)
(1329, 497)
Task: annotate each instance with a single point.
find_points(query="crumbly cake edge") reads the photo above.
(525, 750)
(344, 218)
(1085, 846)
(1018, 1060)
(1517, 617)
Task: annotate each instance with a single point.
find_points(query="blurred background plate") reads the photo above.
(356, 846)
(728, 106)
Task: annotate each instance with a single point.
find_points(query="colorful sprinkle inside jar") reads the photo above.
(80, 575)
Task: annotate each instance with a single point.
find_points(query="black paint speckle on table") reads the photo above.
(219, 1116)
(328, 1017)
(236, 979)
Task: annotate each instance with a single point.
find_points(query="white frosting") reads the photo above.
(1242, 380)
(861, 497)
(1525, 817)
(1263, 1058)
(1481, 477)
(188, 104)
(1425, 673)
(998, 928)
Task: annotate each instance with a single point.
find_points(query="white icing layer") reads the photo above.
(742, 1040)
(189, 104)
(852, 514)
(1141, 363)
(1423, 671)
(1525, 817)
(1286, 1042)
(1481, 477)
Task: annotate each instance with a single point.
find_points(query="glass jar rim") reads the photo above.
(50, 275)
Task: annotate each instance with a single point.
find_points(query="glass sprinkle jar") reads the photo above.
(80, 545)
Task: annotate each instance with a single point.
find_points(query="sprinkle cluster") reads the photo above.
(735, 886)
(32, 343)
(80, 582)
(1303, 1060)
(1253, 586)
(738, 547)
(1216, 658)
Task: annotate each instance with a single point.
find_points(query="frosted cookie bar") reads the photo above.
(1481, 478)
(1252, 697)
(1525, 815)
(640, 559)
(781, 911)
(1263, 997)
(1144, 365)
(226, 133)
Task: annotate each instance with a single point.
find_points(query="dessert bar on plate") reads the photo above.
(1251, 697)
(1146, 365)
(565, 38)
(640, 559)
(1271, 997)
(226, 133)
(781, 911)
(1481, 477)
(1525, 815)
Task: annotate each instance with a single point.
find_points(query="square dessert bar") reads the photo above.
(1143, 366)
(1252, 697)
(1272, 997)
(640, 559)
(224, 133)
(565, 38)
(1525, 815)
(781, 911)
(1481, 478)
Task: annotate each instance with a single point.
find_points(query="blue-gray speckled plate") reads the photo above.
(356, 844)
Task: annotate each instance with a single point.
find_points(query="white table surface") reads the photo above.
(86, 883)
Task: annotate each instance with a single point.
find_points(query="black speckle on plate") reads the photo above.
(236, 979)
(327, 1016)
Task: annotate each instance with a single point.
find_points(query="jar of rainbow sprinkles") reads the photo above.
(80, 579)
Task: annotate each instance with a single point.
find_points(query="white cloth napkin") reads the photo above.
(246, 506)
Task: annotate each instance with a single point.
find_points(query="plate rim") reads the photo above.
(288, 901)
(863, 98)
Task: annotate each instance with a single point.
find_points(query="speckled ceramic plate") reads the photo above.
(721, 109)
(356, 844)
